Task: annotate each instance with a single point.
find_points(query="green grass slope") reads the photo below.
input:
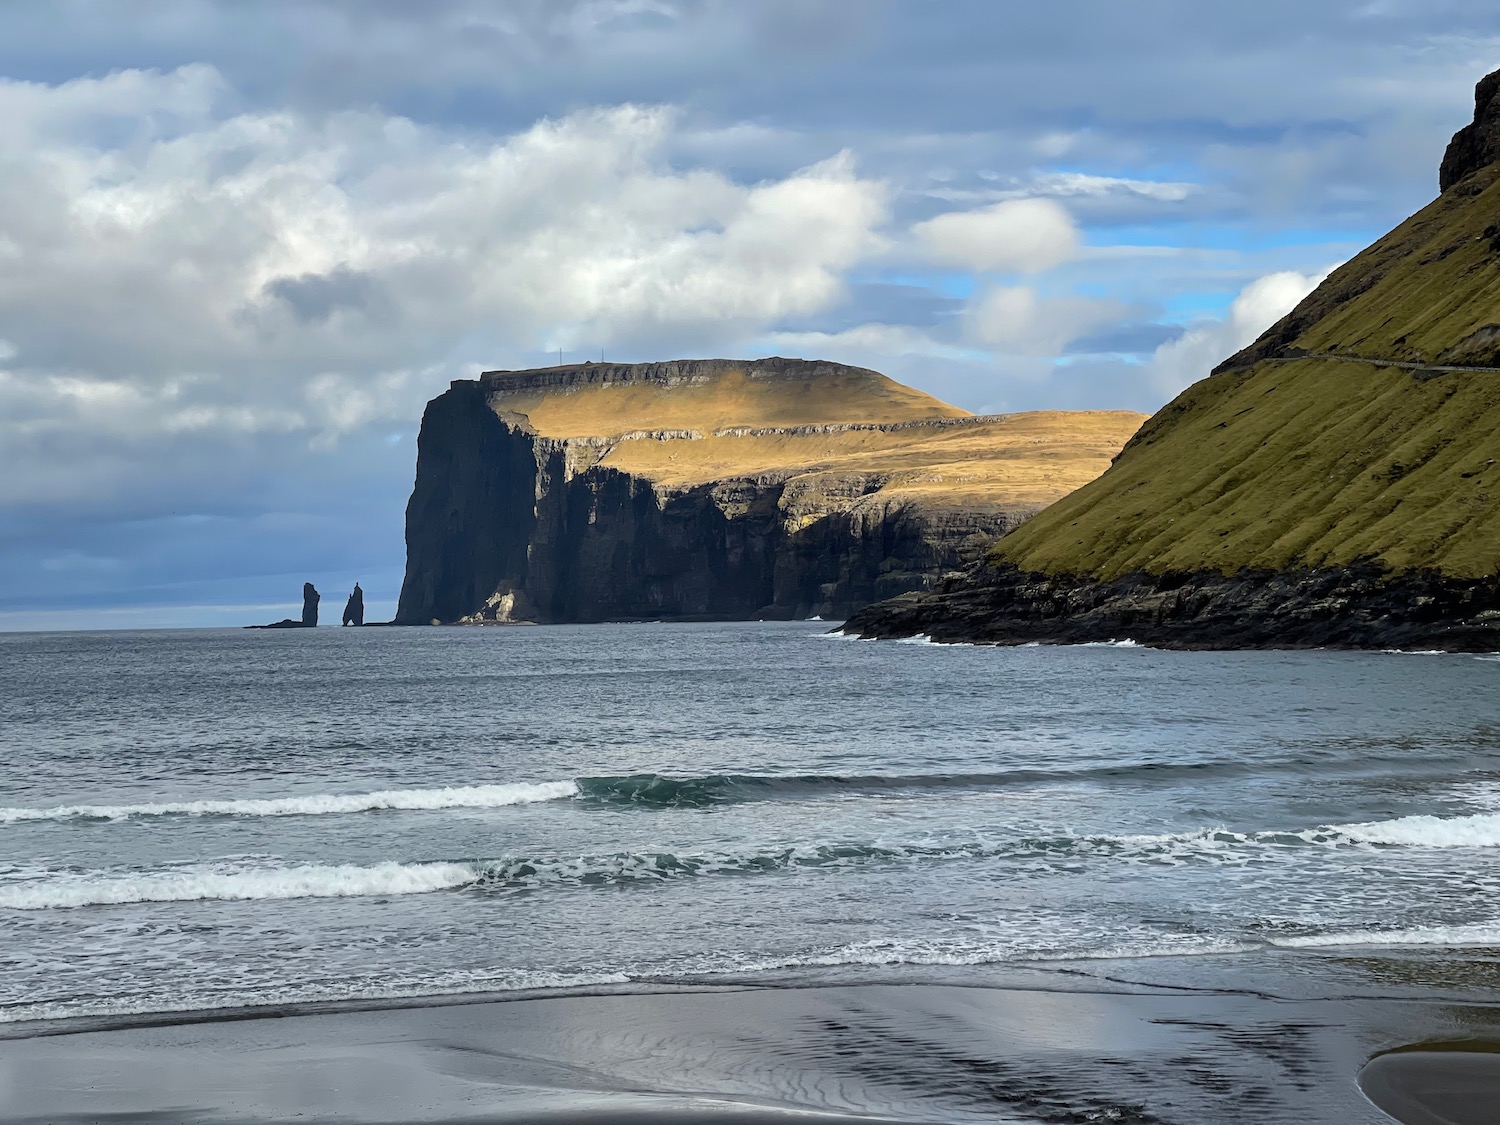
(1285, 459)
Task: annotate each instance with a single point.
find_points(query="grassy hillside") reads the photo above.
(1288, 457)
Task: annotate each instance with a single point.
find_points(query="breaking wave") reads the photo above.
(670, 791)
(43, 890)
(205, 883)
(1472, 933)
(314, 804)
(1481, 830)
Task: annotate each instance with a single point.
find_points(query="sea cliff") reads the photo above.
(716, 489)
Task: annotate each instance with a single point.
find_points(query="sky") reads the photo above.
(241, 245)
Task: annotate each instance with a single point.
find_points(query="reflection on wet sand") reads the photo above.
(927, 1053)
(1455, 1082)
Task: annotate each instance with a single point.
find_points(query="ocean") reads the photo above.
(206, 820)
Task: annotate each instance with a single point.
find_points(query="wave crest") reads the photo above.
(314, 804)
(68, 889)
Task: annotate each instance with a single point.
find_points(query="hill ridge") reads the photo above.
(1331, 483)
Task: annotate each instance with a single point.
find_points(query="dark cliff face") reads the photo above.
(507, 525)
(469, 519)
(1477, 144)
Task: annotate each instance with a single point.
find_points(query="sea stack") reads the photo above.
(1334, 484)
(309, 618)
(772, 488)
(354, 608)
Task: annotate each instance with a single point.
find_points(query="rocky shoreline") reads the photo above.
(1362, 607)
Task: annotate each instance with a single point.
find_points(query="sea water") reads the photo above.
(209, 819)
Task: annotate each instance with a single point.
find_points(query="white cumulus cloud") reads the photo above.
(1019, 321)
(1017, 235)
(173, 269)
(1259, 305)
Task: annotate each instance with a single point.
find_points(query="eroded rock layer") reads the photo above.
(716, 489)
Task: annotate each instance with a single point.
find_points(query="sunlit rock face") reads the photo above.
(716, 489)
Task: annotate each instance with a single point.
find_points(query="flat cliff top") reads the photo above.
(609, 399)
(1363, 426)
(1004, 461)
(687, 423)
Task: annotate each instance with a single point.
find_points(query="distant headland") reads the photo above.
(716, 489)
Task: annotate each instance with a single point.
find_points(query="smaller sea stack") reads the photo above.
(354, 608)
(309, 619)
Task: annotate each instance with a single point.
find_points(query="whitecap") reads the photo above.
(1481, 830)
(199, 883)
(315, 804)
(1472, 933)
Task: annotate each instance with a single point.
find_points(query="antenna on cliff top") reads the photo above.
(559, 357)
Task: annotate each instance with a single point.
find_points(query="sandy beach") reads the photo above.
(1092, 1048)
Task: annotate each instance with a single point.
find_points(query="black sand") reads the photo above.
(1442, 1083)
(1077, 1049)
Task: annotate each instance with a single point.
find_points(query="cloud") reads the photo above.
(1020, 235)
(1259, 305)
(189, 276)
(873, 341)
(1019, 321)
(237, 257)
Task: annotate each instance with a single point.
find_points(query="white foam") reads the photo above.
(200, 883)
(1481, 830)
(878, 953)
(1473, 933)
(926, 641)
(432, 984)
(315, 804)
(45, 889)
(1414, 652)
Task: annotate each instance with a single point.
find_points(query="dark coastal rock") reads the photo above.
(499, 529)
(354, 608)
(1477, 144)
(1362, 607)
(309, 618)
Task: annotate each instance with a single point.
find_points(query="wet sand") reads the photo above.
(1442, 1083)
(1075, 1050)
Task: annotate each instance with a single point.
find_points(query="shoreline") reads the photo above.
(1347, 608)
(1240, 1040)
